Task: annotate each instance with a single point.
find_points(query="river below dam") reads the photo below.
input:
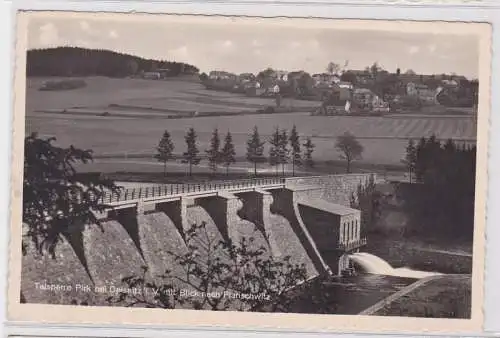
(345, 295)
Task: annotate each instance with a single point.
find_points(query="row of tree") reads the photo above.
(285, 147)
(55, 196)
(75, 61)
(56, 201)
(444, 198)
(441, 194)
(51, 213)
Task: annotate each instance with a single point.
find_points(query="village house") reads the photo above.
(246, 77)
(362, 76)
(265, 81)
(344, 90)
(242, 82)
(221, 75)
(450, 83)
(254, 88)
(164, 72)
(151, 75)
(280, 75)
(221, 80)
(409, 78)
(325, 79)
(345, 85)
(365, 99)
(463, 94)
(421, 91)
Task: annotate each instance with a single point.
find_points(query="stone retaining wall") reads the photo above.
(332, 188)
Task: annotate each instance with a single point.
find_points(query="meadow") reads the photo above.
(384, 138)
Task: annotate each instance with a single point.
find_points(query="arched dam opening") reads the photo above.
(307, 219)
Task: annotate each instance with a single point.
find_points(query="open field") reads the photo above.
(139, 94)
(384, 138)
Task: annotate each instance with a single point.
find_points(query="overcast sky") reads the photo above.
(237, 48)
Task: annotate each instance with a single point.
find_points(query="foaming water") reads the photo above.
(376, 265)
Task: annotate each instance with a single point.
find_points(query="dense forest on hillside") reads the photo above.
(75, 61)
(442, 203)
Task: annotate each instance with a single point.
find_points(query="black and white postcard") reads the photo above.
(303, 174)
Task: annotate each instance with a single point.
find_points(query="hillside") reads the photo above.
(75, 61)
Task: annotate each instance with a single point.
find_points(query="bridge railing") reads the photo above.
(183, 188)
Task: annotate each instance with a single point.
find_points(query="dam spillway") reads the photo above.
(141, 232)
(373, 264)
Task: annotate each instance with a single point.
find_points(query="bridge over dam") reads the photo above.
(306, 218)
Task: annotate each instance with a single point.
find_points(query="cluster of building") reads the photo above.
(163, 73)
(367, 91)
(354, 89)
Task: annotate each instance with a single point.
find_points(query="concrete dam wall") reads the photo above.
(130, 239)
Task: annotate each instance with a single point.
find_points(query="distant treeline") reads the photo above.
(75, 61)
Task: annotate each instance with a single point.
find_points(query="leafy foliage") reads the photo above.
(214, 153)
(283, 150)
(274, 148)
(446, 174)
(268, 72)
(164, 150)
(466, 94)
(295, 148)
(203, 77)
(56, 200)
(191, 156)
(228, 153)
(74, 61)
(349, 76)
(277, 100)
(279, 152)
(333, 68)
(224, 276)
(301, 84)
(368, 200)
(350, 149)
(308, 151)
(375, 69)
(410, 159)
(255, 149)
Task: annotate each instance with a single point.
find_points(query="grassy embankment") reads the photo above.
(444, 297)
(322, 168)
